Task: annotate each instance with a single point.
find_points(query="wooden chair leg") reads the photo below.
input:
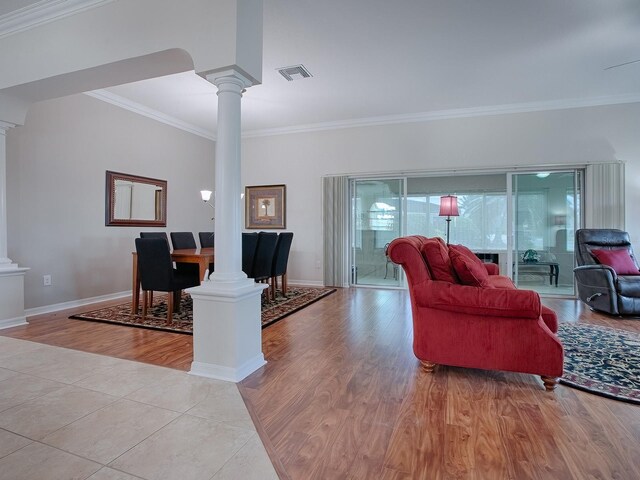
(145, 302)
(274, 287)
(285, 284)
(550, 383)
(169, 308)
(427, 366)
(151, 298)
(268, 289)
(177, 296)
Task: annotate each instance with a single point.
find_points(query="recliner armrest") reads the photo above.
(596, 276)
(495, 302)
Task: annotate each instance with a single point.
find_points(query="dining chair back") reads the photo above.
(207, 239)
(249, 244)
(149, 299)
(157, 273)
(263, 262)
(183, 240)
(155, 235)
(280, 261)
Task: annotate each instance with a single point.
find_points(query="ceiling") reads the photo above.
(375, 61)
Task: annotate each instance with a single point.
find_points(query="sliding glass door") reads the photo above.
(525, 222)
(376, 219)
(546, 210)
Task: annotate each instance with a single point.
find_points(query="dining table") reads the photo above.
(201, 256)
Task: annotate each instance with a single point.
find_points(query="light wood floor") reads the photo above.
(342, 396)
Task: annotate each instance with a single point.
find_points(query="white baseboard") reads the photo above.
(75, 303)
(113, 296)
(306, 283)
(12, 322)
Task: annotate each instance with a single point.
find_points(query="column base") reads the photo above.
(230, 374)
(12, 296)
(227, 330)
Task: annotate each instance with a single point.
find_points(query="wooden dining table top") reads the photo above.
(182, 253)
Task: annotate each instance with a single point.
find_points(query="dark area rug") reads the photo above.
(296, 299)
(601, 360)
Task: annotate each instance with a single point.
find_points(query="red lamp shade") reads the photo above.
(448, 206)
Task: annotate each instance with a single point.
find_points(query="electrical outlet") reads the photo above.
(46, 280)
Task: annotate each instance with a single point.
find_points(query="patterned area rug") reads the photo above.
(601, 360)
(272, 311)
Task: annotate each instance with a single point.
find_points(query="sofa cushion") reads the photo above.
(500, 281)
(492, 268)
(628, 285)
(478, 301)
(437, 255)
(618, 259)
(468, 271)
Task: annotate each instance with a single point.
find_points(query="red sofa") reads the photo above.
(465, 314)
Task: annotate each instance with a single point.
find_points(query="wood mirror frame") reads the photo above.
(135, 201)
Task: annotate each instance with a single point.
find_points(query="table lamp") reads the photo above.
(448, 208)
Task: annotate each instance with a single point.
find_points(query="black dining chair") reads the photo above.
(155, 235)
(157, 274)
(263, 262)
(249, 244)
(163, 235)
(280, 260)
(207, 239)
(182, 240)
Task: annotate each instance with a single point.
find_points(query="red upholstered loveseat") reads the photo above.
(466, 315)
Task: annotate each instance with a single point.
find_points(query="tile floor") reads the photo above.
(66, 414)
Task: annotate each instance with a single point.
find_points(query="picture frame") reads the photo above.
(265, 207)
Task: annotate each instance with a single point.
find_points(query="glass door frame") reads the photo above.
(578, 210)
(352, 226)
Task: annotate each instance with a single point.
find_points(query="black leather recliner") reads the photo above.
(598, 285)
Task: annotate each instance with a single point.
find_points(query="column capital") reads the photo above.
(230, 76)
(5, 127)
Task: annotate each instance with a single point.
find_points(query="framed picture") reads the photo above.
(265, 206)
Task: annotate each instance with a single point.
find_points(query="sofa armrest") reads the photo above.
(492, 268)
(494, 302)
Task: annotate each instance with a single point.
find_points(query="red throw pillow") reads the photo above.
(618, 259)
(465, 251)
(469, 271)
(437, 255)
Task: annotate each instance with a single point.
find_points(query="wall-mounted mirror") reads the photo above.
(135, 201)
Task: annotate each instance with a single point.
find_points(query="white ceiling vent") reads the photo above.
(294, 72)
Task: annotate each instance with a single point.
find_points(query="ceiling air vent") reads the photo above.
(294, 72)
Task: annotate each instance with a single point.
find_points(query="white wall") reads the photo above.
(573, 136)
(56, 177)
(56, 167)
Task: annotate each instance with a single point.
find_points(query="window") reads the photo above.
(482, 224)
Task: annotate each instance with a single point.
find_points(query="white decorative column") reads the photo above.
(11, 276)
(227, 333)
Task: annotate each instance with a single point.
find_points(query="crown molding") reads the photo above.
(145, 111)
(5, 127)
(449, 114)
(127, 104)
(42, 12)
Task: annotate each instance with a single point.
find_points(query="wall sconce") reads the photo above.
(448, 208)
(206, 195)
